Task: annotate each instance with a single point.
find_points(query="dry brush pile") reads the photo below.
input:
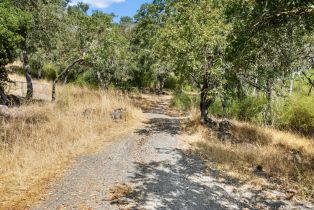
(39, 140)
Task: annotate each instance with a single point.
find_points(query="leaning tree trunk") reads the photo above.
(310, 82)
(29, 93)
(63, 74)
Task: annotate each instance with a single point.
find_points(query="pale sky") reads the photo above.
(118, 7)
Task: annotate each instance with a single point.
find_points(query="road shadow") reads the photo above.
(186, 183)
(161, 125)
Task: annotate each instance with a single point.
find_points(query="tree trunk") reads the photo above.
(102, 83)
(29, 93)
(291, 83)
(204, 108)
(224, 104)
(254, 88)
(65, 81)
(240, 92)
(161, 82)
(269, 98)
(63, 74)
(4, 97)
(310, 82)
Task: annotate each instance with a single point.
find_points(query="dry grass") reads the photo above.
(120, 191)
(38, 141)
(284, 156)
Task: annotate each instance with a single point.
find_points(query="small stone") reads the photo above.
(118, 114)
(3, 109)
(225, 126)
(88, 112)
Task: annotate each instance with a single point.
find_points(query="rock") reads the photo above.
(3, 109)
(298, 158)
(290, 194)
(295, 156)
(88, 112)
(224, 131)
(259, 168)
(118, 114)
(212, 124)
(225, 126)
(224, 136)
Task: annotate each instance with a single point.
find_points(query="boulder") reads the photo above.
(212, 124)
(225, 136)
(295, 156)
(3, 109)
(225, 132)
(225, 126)
(89, 112)
(118, 114)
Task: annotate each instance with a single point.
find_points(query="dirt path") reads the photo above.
(151, 169)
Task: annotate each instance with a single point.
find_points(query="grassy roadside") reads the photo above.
(286, 159)
(39, 141)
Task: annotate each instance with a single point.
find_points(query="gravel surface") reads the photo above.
(151, 169)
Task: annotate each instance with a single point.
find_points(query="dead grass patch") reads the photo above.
(119, 191)
(284, 157)
(38, 141)
(246, 133)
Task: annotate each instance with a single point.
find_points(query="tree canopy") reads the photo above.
(220, 49)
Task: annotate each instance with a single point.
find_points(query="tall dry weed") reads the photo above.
(38, 141)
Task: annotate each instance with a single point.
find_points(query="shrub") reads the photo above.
(50, 71)
(171, 82)
(248, 109)
(88, 78)
(297, 114)
(182, 101)
(36, 66)
(251, 109)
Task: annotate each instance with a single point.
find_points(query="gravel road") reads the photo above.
(151, 169)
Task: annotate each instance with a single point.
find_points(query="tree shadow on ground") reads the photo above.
(185, 182)
(161, 125)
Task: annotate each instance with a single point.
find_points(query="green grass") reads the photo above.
(294, 113)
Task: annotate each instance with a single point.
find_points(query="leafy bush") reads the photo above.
(251, 109)
(50, 71)
(182, 100)
(36, 63)
(297, 114)
(87, 78)
(171, 82)
(248, 109)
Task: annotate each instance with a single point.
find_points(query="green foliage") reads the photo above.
(172, 82)
(251, 109)
(88, 78)
(248, 109)
(183, 101)
(297, 114)
(11, 20)
(50, 71)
